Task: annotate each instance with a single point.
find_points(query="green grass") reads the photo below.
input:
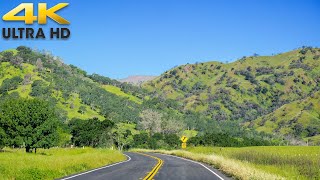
(292, 162)
(117, 91)
(53, 163)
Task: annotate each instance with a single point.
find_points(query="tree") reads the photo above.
(27, 79)
(3, 138)
(10, 84)
(82, 110)
(30, 123)
(23, 50)
(7, 56)
(150, 121)
(40, 89)
(298, 129)
(39, 64)
(141, 140)
(91, 132)
(171, 126)
(172, 140)
(122, 136)
(17, 61)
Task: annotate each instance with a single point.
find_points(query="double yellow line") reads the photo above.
(155, 169)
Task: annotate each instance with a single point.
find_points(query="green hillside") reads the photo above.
(31, 74)
(250, 89)
(299, 118)
(117, 91)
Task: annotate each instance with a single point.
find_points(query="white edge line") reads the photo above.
(129, 158)
(194, 162)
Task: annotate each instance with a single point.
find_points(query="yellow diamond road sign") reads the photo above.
(184, 145)
(184, 139)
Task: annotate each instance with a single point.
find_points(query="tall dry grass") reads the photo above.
(234, 168)
(292, 162)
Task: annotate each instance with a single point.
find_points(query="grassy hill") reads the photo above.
(31, 74)
(250, 89)
(299, 118)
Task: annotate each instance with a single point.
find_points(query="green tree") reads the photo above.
(7, 56)
(39, 89)
(10, 84)
(3, 138)
(82, 110)
(123, 135)
(29, 123)
(91, 132)
(24, 50)
(141, 140)
(172, 140)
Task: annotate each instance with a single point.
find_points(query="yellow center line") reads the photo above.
(155, 169)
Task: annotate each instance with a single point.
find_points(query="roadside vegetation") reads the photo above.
(233, 168)
(264, 162)
(53, 163)
(292, 162)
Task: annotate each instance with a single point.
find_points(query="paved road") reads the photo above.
(140, 166)
(183, 169)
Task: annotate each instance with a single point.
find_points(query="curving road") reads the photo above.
(152, 166)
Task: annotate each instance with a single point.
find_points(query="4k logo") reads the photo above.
(43, 13)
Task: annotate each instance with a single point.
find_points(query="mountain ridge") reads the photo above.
(137, 79)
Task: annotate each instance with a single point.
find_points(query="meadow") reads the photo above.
(292, 162)
(53, 163)
(269, 162)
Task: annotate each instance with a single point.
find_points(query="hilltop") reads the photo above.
(251, 89)
(137, 80)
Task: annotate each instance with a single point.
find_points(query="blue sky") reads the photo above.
(118, 38)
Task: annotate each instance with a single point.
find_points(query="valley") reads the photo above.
(264, 101)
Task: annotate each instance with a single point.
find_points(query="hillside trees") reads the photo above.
(29, 123)
(40, 89)
(156, 141)
(10, 84)
(6, 56)
(225, 140)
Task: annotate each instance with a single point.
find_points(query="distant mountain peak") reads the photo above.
(137, 79)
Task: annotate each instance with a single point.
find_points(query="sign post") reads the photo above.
(184, 140)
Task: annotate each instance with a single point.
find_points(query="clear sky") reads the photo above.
(118, 38)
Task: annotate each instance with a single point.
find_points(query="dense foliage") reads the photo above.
(91, 132)
(225, 140)
(28, 123)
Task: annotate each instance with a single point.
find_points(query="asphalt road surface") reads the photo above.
(149, 166)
